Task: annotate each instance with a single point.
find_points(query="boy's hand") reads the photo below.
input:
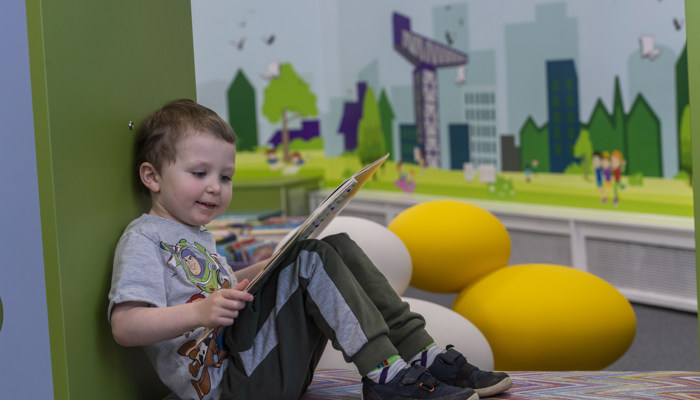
(221, 307)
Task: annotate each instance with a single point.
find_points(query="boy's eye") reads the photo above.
(199, 174)
(225, 178)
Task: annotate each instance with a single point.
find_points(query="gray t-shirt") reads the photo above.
(165, 263)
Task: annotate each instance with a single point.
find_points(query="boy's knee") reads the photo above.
(336, 236)
(339, 241)
(326, 245)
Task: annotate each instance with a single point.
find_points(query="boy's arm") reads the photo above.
(138, 324)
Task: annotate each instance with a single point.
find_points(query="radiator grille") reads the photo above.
(541, 248)
(657, 269)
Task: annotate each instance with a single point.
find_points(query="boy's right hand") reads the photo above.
(221, 307)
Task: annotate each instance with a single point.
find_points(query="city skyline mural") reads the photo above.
(596, 89)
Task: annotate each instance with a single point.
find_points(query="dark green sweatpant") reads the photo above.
(327, 290)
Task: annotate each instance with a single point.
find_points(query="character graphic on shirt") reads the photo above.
(206, 273)
(201, 267)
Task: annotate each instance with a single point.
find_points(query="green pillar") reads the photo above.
(96, 66)
(692, 18)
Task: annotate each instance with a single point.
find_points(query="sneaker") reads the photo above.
(414, 382)
(452, 368)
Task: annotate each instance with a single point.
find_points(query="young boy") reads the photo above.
(168, 283)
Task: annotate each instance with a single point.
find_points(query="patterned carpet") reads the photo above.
(340, 384)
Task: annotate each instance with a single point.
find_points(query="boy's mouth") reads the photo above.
(205, 204)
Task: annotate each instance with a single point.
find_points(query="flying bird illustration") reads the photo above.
(269, 40)
(239, 44)
(450, 37)
(678, 23)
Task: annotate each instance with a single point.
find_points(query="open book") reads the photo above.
(313, 225)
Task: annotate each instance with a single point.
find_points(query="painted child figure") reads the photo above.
(168, 283)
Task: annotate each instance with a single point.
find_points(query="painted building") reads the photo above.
(563, 110)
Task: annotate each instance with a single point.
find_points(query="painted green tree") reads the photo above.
(534, 145)
(242, 112)
(601, 128)
(288, 98)
(386, 114)
(608, 130)
(685, 150)
(370, 138)
(619, 140)
(643, 140)
(685, 163)
(583, 150)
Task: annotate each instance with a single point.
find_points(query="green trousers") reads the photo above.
(326, 290)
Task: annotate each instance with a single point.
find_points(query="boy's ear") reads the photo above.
(150, 177)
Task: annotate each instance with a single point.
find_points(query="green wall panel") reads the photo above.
(692, 17)
(96, 66)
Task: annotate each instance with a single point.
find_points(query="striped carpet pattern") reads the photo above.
(587, 385)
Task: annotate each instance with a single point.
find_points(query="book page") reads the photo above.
(313, 226)
(320, 217)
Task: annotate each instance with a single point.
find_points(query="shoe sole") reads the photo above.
(500, 387)
(475, 396)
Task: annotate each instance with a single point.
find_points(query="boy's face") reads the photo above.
(196, 188)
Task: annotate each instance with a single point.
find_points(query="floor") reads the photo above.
(666, 340)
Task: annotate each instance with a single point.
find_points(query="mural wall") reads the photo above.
(568, 103)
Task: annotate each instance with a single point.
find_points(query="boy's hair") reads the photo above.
(160, 132)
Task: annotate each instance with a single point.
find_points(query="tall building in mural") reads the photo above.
(242, 112)
(427, 56)
(563, 113)
(459, 145)
(352, 113)
(402, 105)
(510, 154)
(528, 46)
(480, 107)
(480, 113)
(408, 135)
(451, 28)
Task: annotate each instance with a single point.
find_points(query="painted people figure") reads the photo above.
(598, 170)
(618, 164)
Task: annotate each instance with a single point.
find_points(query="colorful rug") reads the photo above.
(588, 385)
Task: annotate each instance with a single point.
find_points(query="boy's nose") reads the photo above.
(214, 186)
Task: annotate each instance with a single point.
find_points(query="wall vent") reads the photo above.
(529, 247)
(660, 270)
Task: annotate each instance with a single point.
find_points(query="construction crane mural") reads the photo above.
(427, 56)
